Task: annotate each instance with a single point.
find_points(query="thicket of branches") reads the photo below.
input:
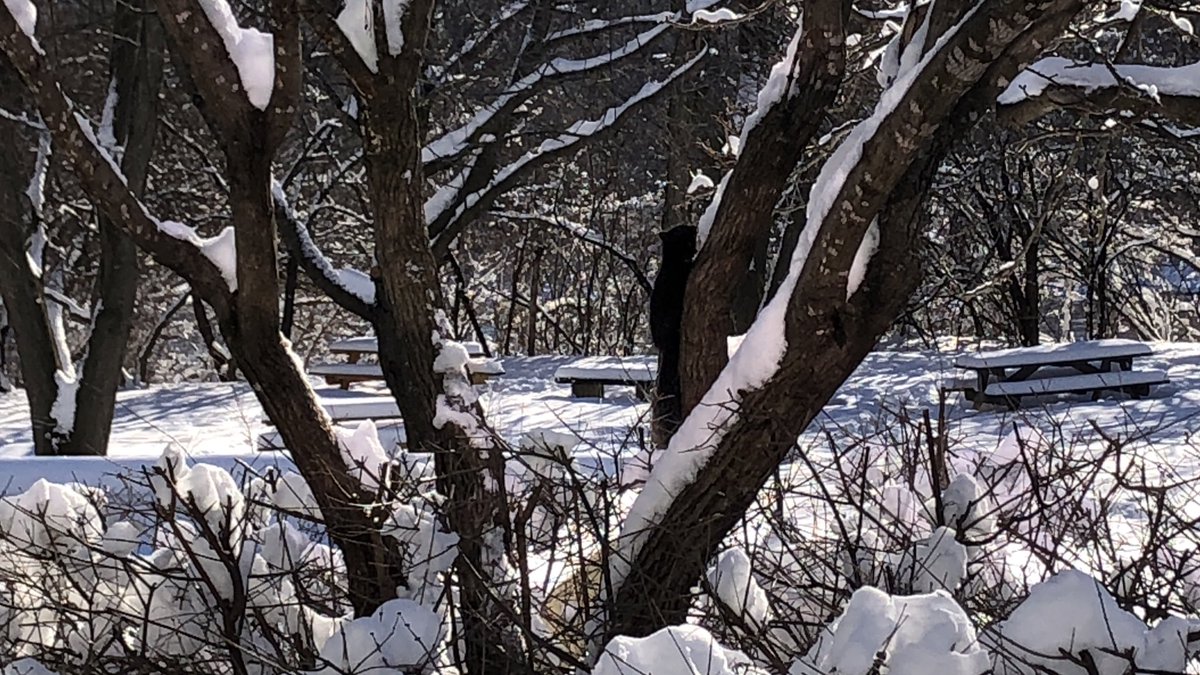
(196, 569)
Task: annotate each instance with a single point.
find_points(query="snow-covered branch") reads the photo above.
(349, 288)
(1054, 82)
(76, 310)
(98, 171)
(450, 145)
(233, 67)
(811, 314)
(578, 133)
(357, 22)
(441, 73)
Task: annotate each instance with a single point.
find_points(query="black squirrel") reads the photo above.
(666, 318)
(666, 298)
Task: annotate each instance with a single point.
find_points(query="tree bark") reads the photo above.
(827, 333)
(743, 219)
(21, 287)
(535, 284)
(25, 303)
(136, 63)
(410, 339)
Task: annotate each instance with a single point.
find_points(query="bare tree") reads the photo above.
(72, 407)
(744, 418)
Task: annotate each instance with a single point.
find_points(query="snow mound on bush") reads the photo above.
(50, 516)
(1072, 612)
(401, 634)
(675, 650)
(915, 635)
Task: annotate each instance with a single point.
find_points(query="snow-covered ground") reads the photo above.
(780, 570)
(220, 422)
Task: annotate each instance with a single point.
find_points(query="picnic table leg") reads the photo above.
(587, 390)
(352, 357)
(978, 396)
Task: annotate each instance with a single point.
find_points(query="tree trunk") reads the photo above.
(22, 294)
(535, 284)
(827, 331)
(291, 280)
(137, 56)
(666, 315)
(744, 216)
(1031, 310)
(20, 287)
(410, 338)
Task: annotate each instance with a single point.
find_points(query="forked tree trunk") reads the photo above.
(24, 301)
(248, 318)
(137, 57)
(827, 333)
(408, 299)
(20, 288)
(136, 69)
(744, 218)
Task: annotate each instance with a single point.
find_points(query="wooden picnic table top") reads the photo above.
(1054, 354)
(609, 369)
(375, 371)
(368, 344)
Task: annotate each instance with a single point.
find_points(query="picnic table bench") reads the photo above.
(589, 375)
(390, 434)
(480, 367)
(350, 407)
(1007, 375)
(354, 348)
(345, 374)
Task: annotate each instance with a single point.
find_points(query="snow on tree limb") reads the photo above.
(506, 14)
(1153, 81)
(320, 14)
(240, 72)
(447, 196)
(1054, 82)
(25, 14)
(96, 169)
(251, 50)
(36, 191)
(357, 22)
(596, 25)
(809, 313)
(452, 144)
(579, 132)
(77, 311)
(741, 210)
(349, 288)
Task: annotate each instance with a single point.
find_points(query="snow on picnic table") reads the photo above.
(220, 422)
(609, 368)
(1049, 354)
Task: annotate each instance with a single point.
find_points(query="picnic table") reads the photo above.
(479, 367)
(1007, 375)
(356, 347)
(589, 375)
(347, 407)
